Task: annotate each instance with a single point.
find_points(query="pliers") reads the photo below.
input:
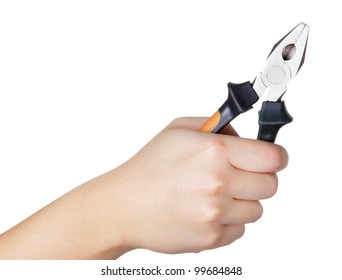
(283, 63)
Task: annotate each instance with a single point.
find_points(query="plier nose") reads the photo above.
(283, 63)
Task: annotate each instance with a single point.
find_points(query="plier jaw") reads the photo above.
(283, 63)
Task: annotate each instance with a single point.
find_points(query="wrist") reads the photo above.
(112, 197)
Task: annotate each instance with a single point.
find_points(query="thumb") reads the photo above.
(195, 123)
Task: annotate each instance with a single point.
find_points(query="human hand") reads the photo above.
(185, 191)
(188, 191)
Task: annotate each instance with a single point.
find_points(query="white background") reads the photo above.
(84, 84)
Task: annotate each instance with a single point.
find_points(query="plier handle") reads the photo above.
(283, 63)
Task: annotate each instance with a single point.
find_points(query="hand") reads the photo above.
(187, 191)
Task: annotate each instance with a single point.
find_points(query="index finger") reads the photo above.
(255, 155)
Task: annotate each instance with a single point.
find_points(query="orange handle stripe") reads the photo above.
(211, 123)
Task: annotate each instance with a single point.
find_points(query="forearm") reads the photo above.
(82, 224)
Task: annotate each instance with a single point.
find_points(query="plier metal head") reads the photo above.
(283, 63)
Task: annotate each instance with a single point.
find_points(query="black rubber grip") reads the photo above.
(272, 116)
(241, 97)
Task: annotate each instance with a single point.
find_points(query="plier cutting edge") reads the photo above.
(283, 63)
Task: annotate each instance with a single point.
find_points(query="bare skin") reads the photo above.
(185, 191)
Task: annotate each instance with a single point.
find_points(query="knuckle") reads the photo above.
(213, 214)
(213, 238)
(216, 186)
(215, 147)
